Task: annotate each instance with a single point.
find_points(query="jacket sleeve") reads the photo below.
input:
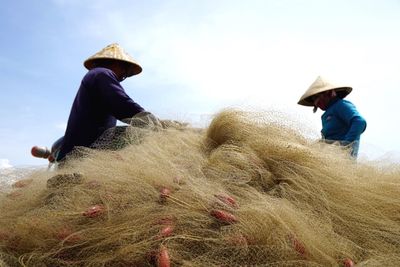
(114, 97)
(357, 124)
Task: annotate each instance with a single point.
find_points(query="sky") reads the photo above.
(199, 57)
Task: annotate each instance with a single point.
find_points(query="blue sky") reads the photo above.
(198, 57)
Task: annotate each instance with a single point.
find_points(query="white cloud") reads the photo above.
(5, 163)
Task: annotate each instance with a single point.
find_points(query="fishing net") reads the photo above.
(249, 190)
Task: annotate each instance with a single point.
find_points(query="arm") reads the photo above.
(357, 124)
(119, 104)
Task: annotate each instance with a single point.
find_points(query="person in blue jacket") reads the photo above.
(101, 100)
(341, 121)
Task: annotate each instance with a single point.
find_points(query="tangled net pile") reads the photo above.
(246, 191)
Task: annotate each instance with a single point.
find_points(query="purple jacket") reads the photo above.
(100, 101)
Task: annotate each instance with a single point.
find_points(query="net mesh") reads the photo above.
(249, 190)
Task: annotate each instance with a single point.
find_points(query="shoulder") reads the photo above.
(347, 109)
(100, 72)
(98, 76)
(343, 104)
(346, 103)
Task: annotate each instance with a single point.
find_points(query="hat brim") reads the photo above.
(133, 70)
(341, 92)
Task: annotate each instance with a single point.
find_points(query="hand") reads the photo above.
(144, 119)
(174, 124)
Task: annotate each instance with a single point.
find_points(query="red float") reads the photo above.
(94, 211)
(67, 234)
(4, 236)
(167, 220)
(14, 194)
(298, 245)
(237, 240)
(164, 194)
(224, 216)
(92, 184)
(163, 258)
(228, 200)
(22, 183)
(348, 262)
(166, 231)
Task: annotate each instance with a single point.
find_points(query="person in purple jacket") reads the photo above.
(101, 100)
(341, 121)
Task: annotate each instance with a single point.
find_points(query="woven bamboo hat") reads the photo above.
(115, 52)
(321, 85)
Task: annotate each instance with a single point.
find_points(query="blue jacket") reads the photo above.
(100, 101)
(342, 122)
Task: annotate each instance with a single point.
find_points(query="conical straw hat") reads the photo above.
(321, 85)
(116, 52)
